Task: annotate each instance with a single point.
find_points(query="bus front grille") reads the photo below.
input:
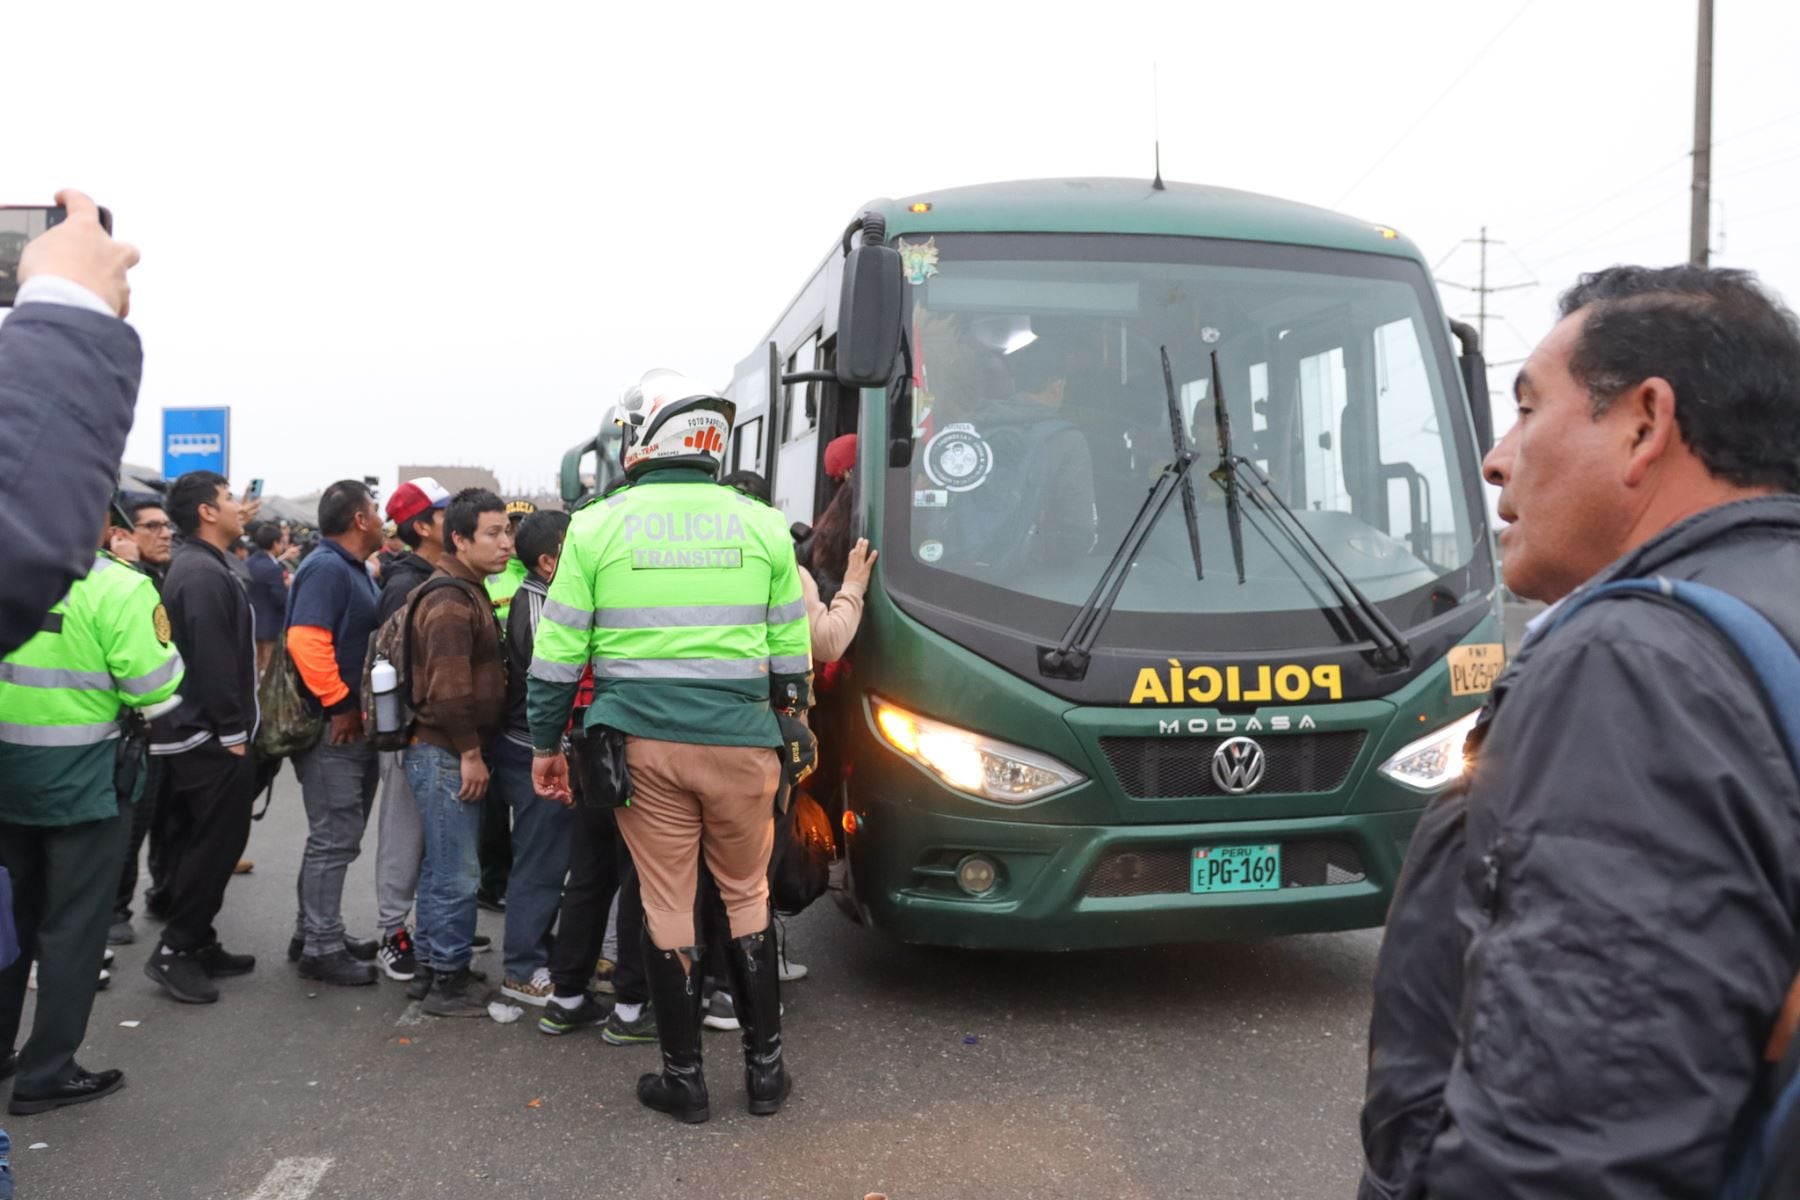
(1165, 870)
(1172, 768)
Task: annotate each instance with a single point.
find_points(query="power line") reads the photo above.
(1482, 289)
(1432, 107)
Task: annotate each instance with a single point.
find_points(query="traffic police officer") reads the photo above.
(73, 702)
(685, 598)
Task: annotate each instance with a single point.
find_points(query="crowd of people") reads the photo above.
(453, 591)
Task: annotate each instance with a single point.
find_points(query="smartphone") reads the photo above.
(254, 492)
(18, 225)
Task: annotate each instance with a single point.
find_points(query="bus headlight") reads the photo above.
(1434, 761)
(969, 762)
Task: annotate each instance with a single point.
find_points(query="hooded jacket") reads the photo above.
(1590, 946)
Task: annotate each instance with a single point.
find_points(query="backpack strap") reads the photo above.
(1770, 656)
(412, 607)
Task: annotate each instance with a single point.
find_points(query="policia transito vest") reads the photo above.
(105, 651)
(685, 598)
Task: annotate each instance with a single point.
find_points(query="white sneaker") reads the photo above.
(785, 970)
(721, 1013)
(536, 992)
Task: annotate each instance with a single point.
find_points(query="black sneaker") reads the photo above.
(559, 1019)
(480, 942)
(181, 975)
(218, 962)
(630, 1033)
(486, 899)
(337, 968)
(120, 933)
(456, 994)
(395, 957)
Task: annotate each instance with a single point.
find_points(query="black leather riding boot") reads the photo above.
(680, 1088)
(752, 961)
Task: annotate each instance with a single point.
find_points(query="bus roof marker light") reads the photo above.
(919, 206)
(1386, 233)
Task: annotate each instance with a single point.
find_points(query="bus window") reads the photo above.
(800, 401)
(747, 446)
(1323, 398)
(1413, 466)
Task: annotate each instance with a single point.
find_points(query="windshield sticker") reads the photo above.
(930, 551)
(919, 259)
(931, 498)
(958, 459)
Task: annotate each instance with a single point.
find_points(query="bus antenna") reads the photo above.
(1156, 124)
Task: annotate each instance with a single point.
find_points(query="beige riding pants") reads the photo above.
(688, 800)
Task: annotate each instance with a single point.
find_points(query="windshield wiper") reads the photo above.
(1070, 657)
(1391, 646)
(1223, 474)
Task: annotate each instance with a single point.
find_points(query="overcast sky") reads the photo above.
(437, 233)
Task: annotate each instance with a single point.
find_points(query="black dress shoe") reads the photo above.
(218, 962)
(85, 1086)
(338, 969)
(361, 949)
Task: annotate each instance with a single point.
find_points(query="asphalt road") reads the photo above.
(1205, 1071)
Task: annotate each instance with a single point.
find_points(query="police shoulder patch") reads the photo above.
(159, 620)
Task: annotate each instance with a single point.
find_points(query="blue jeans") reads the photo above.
(450, 873)
(540, 861)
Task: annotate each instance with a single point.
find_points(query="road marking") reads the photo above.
(292, 1179)
(414, 1015)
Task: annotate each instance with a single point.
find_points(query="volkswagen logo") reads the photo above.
(1237, 765)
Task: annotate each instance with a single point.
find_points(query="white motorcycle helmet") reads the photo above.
(672, 421)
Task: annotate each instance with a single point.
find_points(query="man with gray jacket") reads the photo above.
(1592, 939)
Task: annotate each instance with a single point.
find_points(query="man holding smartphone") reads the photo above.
(69, 370)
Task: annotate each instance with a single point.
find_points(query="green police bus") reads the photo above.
(1186, 596)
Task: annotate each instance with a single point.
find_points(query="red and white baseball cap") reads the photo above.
(415, 497)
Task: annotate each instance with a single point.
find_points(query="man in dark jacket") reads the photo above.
(210, 779)
(417, 510)
(69, 369)
(1591, 943)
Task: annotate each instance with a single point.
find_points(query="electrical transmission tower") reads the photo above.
(1481, 289)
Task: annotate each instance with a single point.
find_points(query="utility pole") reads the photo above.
(1481, 289)
(1700, 214)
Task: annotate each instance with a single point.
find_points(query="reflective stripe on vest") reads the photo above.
(681, 668)
(58, 735)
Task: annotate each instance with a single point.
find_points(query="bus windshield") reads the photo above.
(1041, 420)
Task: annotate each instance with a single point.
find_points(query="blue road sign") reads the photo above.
(196, 439)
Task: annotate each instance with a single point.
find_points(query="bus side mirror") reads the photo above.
(1475, 384)
(869, 315)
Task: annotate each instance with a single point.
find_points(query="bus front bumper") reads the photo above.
(1073, 887)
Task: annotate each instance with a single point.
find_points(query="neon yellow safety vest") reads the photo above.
(106, 646)
(685, 598)
(502, 587)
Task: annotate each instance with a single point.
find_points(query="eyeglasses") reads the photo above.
(156, 526)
